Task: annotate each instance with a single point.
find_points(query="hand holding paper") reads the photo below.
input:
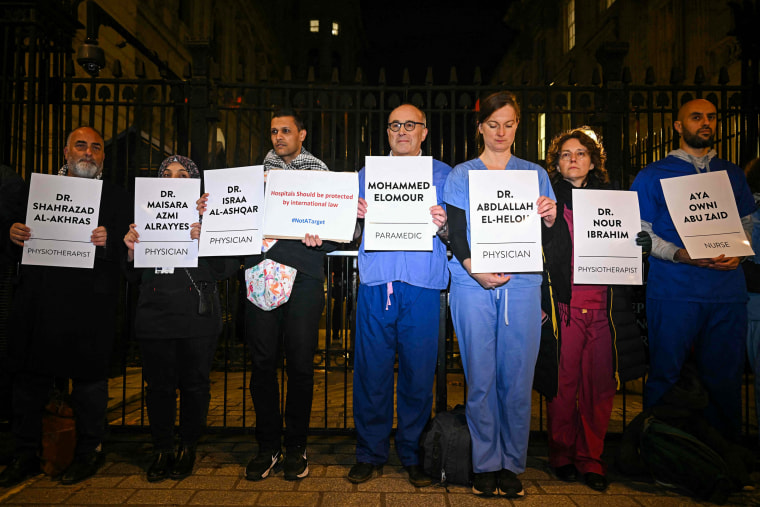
(439, 215)
(311, 240)
(195, 231)
(361, 208)
(547, 209)
(20, 233)
(99, 236)
(720, 263)
(487, 280)
(202, 204)
(130, 238)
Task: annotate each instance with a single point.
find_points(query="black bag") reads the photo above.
(446, 451)
(677, 458)
(59, 436)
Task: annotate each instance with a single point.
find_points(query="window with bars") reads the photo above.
(569, 25)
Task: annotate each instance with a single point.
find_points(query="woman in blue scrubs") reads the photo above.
(497, 316)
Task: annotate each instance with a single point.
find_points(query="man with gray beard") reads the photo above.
(62, 326)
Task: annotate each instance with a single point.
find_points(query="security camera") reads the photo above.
(91, 57)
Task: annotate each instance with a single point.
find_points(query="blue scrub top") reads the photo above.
(669, 280)
(457, 193)
(421, 269)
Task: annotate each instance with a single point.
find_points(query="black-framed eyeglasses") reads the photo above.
(409, 126)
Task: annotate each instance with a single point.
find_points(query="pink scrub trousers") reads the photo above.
(578, 416)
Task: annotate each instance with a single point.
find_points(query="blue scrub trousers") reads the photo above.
(499, 333)
(753, 344)
(717, 333)
(409, 326)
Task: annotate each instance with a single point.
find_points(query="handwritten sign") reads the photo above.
(505, 228)
(235, 213)
(605, 225)
(399, 193)
(164, 212)
(311, 202)
(62, 212)
(703, 210)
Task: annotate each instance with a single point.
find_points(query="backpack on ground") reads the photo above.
(59, 435)
(446, 451)
(677, 458)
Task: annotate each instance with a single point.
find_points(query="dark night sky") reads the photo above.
(422, 34)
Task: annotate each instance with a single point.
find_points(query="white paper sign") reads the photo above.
(164, 211)
(62, 212)
(235, 213)
(505, 227)
(605, 225)
(399, 193)
(311, 202)
(703, 210)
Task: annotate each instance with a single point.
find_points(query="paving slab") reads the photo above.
(288, 499)
(225, 498)
(332, 498)
(44, 496)
(97, 496)
(219, 480)
(161, 497)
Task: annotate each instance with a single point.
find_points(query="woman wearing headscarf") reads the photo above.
(177, 324)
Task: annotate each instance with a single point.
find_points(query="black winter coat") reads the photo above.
(168, 305)
(63, 320)
(627, 347)
(292, 252)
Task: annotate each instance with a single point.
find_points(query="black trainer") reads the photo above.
(264, 464)
(361, 472)
(296, 464)
(484, 484)
(509, 485)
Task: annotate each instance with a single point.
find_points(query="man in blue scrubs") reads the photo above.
(694, 304)
(397, 313)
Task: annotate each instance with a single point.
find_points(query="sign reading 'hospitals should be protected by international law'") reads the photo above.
(61, 213)
(310, 202)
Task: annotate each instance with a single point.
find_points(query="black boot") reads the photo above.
(162, 463)
(183, 466)
(19, 469)
(83, 467)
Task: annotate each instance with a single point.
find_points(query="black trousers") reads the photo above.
(293, 326)
(171, 364)
(31, 392)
